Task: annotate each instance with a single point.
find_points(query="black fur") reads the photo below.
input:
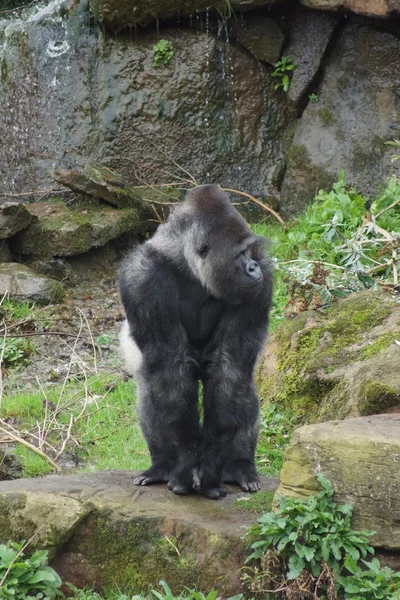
(197, 297)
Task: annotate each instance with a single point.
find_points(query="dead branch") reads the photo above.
(259, 203)
(23, 442)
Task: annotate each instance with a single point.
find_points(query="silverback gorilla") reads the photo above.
(197, 297)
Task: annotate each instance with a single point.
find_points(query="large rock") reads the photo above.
(261, 36)
(13, 218)
(338, 364)
(356, 113)
(361, 458)
(23, 284)
(104, 531)
(370, 8)
(61, 230)
(212, 109)
(310, 34)
(118, 14)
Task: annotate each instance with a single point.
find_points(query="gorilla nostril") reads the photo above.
(251, 267)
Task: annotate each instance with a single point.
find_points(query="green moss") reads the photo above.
(134, 554)
(325, 115)
(258, 503)
(384, 341)
(9, 504)
(308, 351)
(376, 397)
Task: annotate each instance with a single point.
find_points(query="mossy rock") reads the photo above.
(103, 531)
(360, 457)
(61, 230)
(337, 364)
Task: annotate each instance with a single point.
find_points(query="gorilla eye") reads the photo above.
(203, 251)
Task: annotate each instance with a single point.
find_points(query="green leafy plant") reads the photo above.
(370, 582)
(14, 351)
(281, 71)
(26, 578)
(305, 533)
(313, 98)
(162, 53)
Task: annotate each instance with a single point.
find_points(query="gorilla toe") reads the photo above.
(152, 475)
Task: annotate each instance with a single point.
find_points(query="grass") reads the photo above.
(110, 438)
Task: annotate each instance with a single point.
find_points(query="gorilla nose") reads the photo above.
(253, 269)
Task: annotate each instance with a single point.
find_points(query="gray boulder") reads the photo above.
(356, 113)
(23, 284)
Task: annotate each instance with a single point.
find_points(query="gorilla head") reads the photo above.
(215, 244)
(197, 297)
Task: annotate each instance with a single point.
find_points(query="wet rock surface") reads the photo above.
(361, 458)
(356, 113)
(260, 36)
(103, 530)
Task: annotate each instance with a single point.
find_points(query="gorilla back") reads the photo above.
(197, 297)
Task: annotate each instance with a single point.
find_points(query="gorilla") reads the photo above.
(197, 297)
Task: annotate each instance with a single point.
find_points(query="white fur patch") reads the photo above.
(130, 351)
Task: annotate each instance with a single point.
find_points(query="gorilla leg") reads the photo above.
(230, 426)
(239, 466)
(170, 423)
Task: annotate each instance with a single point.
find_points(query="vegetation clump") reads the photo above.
(24, 578)
(307, 548)
(163, 52)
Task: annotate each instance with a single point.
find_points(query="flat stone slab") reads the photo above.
(102, 530)
(361, 457)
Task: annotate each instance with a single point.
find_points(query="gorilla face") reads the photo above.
(221, 250)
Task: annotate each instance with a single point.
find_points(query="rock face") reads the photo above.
(336, 365)
(310, 35)
(361, 458)
(370, 8)
(355, 115)
(24, 284)
(212, 108)
(261, 36)
(60, 230)
(13, 218)
(102, 531)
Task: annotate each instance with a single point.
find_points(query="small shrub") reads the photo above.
(26, 578)
(163, 53)
(313, 98)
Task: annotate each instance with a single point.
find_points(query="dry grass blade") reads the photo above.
(259, 203)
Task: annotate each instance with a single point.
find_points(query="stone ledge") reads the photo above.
(101, 530)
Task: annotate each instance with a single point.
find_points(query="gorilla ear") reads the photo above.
(203, 251)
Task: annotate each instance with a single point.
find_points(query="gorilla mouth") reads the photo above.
(252, 283)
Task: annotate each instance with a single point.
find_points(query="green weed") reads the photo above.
(163, 52)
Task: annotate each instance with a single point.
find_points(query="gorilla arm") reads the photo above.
(231, 404)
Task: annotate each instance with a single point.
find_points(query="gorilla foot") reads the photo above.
(214, 493)
(178, 488)
(152, 475)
